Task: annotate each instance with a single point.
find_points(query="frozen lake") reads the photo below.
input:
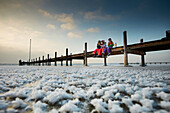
(110, 89)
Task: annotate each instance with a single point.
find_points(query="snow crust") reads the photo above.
(84, 89)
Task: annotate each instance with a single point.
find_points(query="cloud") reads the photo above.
(74, 35)
(17, 5)
(67, 26)
(64, 18)
(51, 26)
(93, 29)
(45, 13)
(98, 15)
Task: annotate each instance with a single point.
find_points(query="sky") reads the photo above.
(54, 25)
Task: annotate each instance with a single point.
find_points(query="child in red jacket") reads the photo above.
(97, 51)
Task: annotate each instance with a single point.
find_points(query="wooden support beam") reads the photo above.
(125, 48)
(55, 58)
(43, 60)
(70, 60)
(36, 61)
(142, 56)
(84, 58)
(66, 56)
(20, 62)
(137, 52)
(105, 63)
(39, 62)
(85, 54)
(48, 58)
(61, 61)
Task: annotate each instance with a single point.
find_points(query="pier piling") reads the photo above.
(125, 48)
(66, 56)
(55, 58)
(142, 56)
(85, 54)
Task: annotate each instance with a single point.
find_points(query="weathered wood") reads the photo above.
(48, 58)
(43, 60)
(84, 57)
(70, 59)
(61, 61)
(66, 56)
(138, 48)
(36, 61)
(125, 48)
(105, 63)
(142, 56)
(85, 54)
(20, 62)
(151, 45)
(168, 34)
(39, 62)
(55, 58)
(137, 52)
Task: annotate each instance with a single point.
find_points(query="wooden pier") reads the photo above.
(139, 49)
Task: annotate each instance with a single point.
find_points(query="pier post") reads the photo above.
(85, 54)
(142, 56)
(105, 63)
(39, 62)
(42, 60)
(84, 58)
(66, 56)
(61, 61)
(70, 59)
(20, 62)
(168, 34)
(36, 61)
(125, 48)
(48, 57)
(55, 58)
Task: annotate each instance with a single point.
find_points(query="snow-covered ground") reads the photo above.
(82, 89)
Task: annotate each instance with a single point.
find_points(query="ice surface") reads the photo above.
(100, 106)
(84, 89)
(69, 107)
(39, 107)
(56, 96)
(18, 103)
(165, 104)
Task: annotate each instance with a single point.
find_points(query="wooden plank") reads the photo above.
(136, 52)
(151, 44)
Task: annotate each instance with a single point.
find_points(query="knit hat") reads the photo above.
(109, 39)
